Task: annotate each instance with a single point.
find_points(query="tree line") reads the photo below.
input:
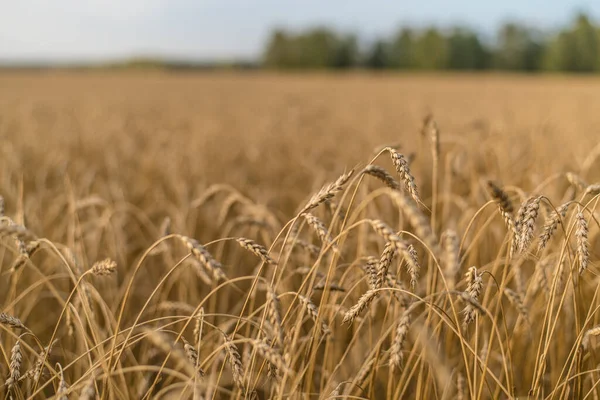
(516, 47)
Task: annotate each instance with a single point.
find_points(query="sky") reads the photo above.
(100, 30)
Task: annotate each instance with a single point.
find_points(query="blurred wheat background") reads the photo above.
(258, 235)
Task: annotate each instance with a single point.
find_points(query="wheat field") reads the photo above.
(263, 236)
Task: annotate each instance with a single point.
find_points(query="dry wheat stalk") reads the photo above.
(104, 267)
(593, 189)
(576, 180)
(381, 174)
(192, 356)
(327, 192)
(204, 257)
(334, 287)
(517, 301)
(526, 224)
(551, 224)
(504, 204)
(451, 257)
(235, 361)
(271, 356)
(460, 387)
(10, 321)
(313, 312)
(16, 358)
(370, 267)
(274, 313)
(363, 302)
(393, 240)
(320, 229)
(585, 342)
(256, 249)
(582, 242)
(396, 356)
(89, 390)
(61, 393)
(474, 287)
(403, 170)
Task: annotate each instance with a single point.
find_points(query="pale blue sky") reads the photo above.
(89, 30)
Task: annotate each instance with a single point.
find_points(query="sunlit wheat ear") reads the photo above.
(450, 257)
(576, 181)
(199, 321)
(235, 361)
(363, 302)
(585, 342)
(104, 267)
(504, 204)
(418, 220)
(61, 392)
(526, 222)
(271, 355)
(16, 358)
(204, 257)
(1, 206)
(327, 192)
(37, 370)
(582, 241)
(517, 301)
(593, 189)
(192, 356)
(474, 287)
(403, 170)
(364, 371)
(320, 229)
(551, 224)
(370, 266)
(394, 242)
(256, 249)
(396, 355)
(313, 312)
(460, 387)
(89, 390)
(10, 321)
(274, 313)
(381, 174)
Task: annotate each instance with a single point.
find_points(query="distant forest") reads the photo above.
(515, 47)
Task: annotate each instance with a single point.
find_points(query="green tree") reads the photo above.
(377, 57)
(431, 52)
(402, 49)
(465, 51)
(518, 49)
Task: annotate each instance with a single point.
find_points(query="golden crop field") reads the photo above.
(253, 235)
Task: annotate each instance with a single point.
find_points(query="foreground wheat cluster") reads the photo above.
(416, 274)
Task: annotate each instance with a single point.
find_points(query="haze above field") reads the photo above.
(99, 31)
